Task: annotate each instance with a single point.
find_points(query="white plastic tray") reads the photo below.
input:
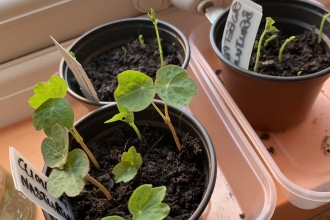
(243, 185)
(298, 163)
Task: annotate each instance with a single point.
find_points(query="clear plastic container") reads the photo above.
(300, 161)
(13, 204)
(244, 187)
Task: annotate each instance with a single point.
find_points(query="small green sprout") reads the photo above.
(146, 203)
(124, 49)
(299, 73)
(152, 18)
(70, 169)
(141, 40)
(269, 40)
(125, 116)
(136, 91)
(321, 27)
(72, 55)
(269, 28)
(51, 108)
(130, 162)
(283, 46)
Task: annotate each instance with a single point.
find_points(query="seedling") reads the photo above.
(141, 40)
(321, 27)
(273, 37)
(136, 91)
(130, 162)
(269, 28)
(152, 18)
(124, 49)
(283, 46)
(299, 73)
(255, 45)
(70, 169)
(146, 203)
(51, 108)
(126, 116)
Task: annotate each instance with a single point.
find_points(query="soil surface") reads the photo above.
(181, 173)
(302, 56)
(103, 69)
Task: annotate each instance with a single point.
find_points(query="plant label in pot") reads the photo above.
(241, 28)
(33, 183)
(280, 87)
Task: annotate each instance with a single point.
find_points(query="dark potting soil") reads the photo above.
(163, 165)
(302, 56)
(103, 69)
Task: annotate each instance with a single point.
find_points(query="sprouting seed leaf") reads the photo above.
(70, 179)
(123, 115)
(128, 166)
(135, 90)
(174, 86)
(114, 217)
(146, 203)
(56, 88)
(72, 55)
(269, 25)
(51, 112)
(56, 147)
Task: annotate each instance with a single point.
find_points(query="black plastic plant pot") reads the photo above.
(275, 103)
(92, 128)
(116, 34)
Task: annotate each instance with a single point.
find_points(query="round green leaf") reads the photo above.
(145, 203)
(174, 86)
(56, 88)
(55, 148)
(70, 179)
(51, 112)
(135, 90)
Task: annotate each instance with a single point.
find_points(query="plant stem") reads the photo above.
(283, 46)
(152, 18)
(269, 40)
(99, 185)
(321, 27)
(167, 121)
(256, 64)
(136, 130)
(141, 41)
(80, 140)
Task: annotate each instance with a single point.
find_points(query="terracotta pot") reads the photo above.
(273, 103)
(115, 34)
(92, 128)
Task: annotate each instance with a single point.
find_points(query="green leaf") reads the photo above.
(56, 88)
(145, 203)
(174, 86)
(127, 168)
(56, 147)
(269, 25)
(123, 115)
(135, 90)
(114, 217)
(70, 179)
(51, 112)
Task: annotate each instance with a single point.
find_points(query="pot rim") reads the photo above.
(179, 34)
(252, 74)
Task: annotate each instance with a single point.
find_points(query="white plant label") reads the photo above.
(33, 184)
(85, 84)
(240, 32)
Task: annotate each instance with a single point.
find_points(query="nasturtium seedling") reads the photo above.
(126, 116)
(136, 91)
(154, 20)
(70, 179)
(146, 203)
(55, 148)
(319, 40)
(51, 108)
(56, 88)
(269, 28)
(130, 162)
